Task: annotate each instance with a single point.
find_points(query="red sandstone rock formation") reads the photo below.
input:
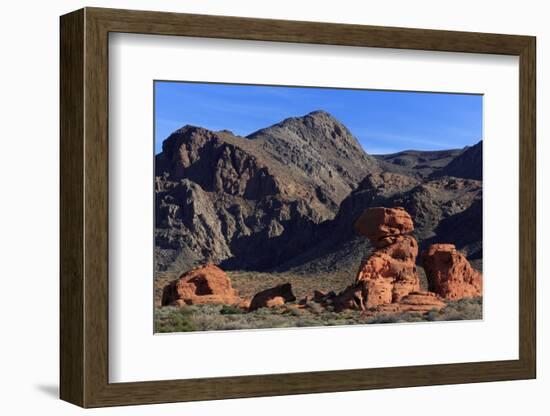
(449, 273)
(245, 304)
(207, 284)
(389, 273)
(383, 225)
(274, 296)
(419, 302)
(387, 282)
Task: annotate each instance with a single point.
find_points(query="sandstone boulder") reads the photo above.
(449, 273)
(245, 304)
(207, 284)
(272, 297)
(382, 225)
(389, 273)
(419, 302)
(353, 297)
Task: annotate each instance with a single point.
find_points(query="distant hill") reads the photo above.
(468, 164)
(417, 162)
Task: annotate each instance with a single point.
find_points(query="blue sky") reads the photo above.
(382, 121)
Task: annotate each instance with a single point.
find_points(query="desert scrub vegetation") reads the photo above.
(231, 310)
(466, 309)
(226, 317)
(173, 319)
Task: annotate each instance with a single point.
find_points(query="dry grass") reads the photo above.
(459, 310)
(224, 317)
(221, 317)
(250, 283)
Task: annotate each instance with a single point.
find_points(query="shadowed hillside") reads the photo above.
(285, 198)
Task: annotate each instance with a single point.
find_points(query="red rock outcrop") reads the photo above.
(245, 304)
(271, 297)
(353, 297)
(382, 226)
(387, 282)
(449, 273)
(389, 273)
(419, 302)
(207, 284)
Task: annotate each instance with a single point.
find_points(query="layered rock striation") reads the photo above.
(415, 302)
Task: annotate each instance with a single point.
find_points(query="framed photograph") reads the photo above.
(244, 202)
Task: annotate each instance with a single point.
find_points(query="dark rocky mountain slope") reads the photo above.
(251, 202)
(322, 148)
(286, 197)
(468, 164)
(441, 210)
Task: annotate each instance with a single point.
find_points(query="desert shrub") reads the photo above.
(432, 315)
(277, 321)
(231, 310)
(315, 307)
(208, 309)
(170, 319)
(463, 309)
(294, 312)
(383, 319)
(265, 311)
(224, 317)
(208, 321)
(204, 320)
(337, 322)
(410, 317)
(308, 322)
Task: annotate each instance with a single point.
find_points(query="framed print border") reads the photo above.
(84, 207)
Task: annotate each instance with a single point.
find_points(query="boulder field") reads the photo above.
(386, 282)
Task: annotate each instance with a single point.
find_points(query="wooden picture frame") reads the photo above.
(84, 207)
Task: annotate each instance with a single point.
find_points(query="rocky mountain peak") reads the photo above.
(281, 181)
(185, 134)
(318, 128)
(322, 117)
(320, 146)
